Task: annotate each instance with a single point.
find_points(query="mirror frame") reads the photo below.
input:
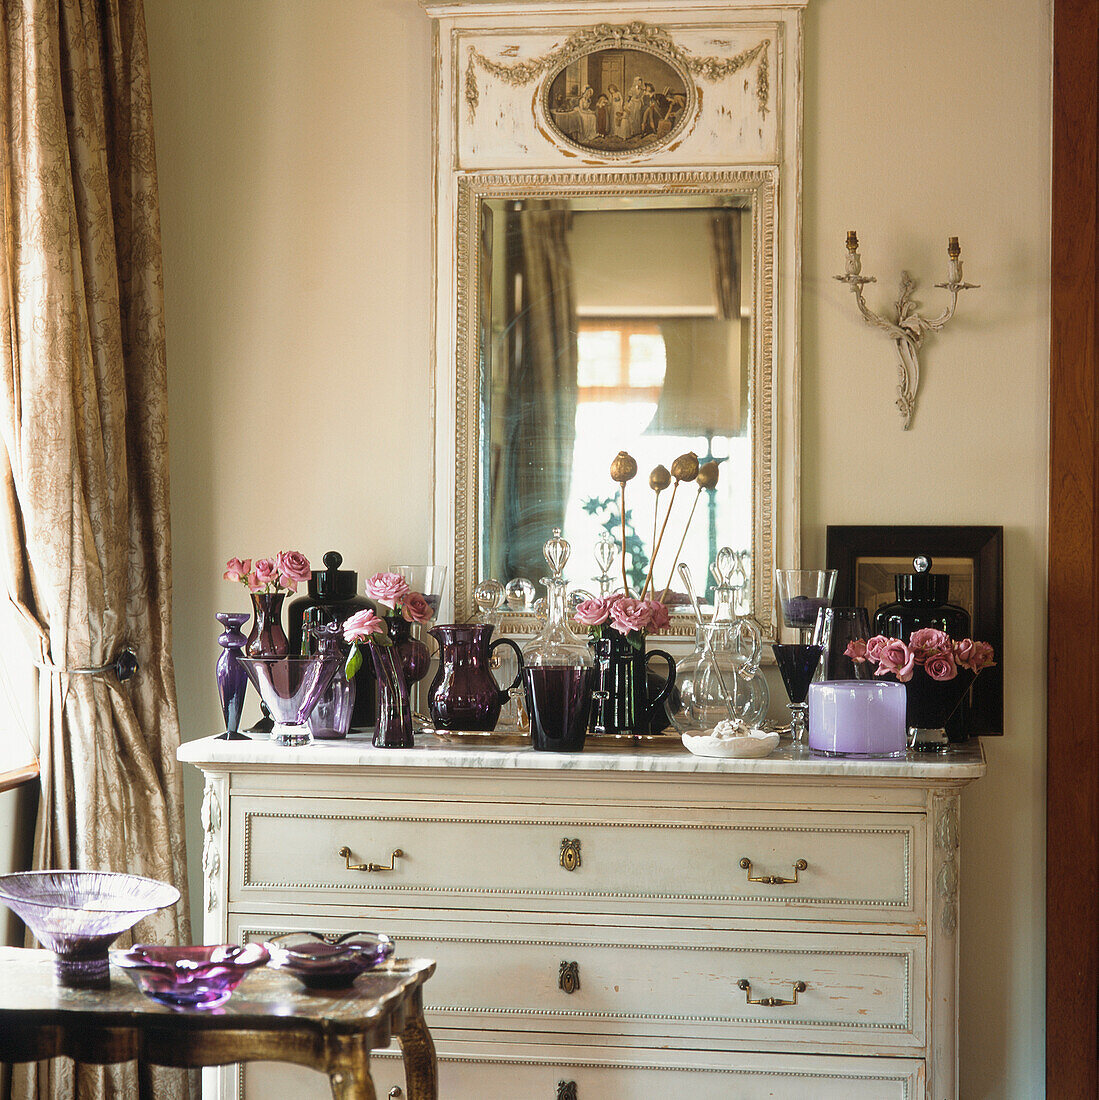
(472, 163)
(759, 186)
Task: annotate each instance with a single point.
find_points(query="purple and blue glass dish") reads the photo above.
(203, 976)
(323, 962)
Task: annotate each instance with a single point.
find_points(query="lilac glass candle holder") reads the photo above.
(857, 718)
(189, 977)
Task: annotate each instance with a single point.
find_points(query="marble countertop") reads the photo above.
(964, 762)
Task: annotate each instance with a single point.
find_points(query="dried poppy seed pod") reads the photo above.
(685, 467)
(660, 479)
(707, 475)
(623, 468)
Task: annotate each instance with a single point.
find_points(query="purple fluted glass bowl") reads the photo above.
(291, 688)
(79, 914)
(321, 962)
(189, 977)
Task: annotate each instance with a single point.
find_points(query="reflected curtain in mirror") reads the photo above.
(533, 391)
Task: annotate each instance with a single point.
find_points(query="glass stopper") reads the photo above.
(556, 551)
(606, 551)
(488, 596)
(519, 593)
(922, 563)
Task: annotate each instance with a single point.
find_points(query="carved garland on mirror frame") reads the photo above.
(635, 35)
(761, 185)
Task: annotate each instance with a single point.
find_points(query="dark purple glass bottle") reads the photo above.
(411, 652)
(232, 680)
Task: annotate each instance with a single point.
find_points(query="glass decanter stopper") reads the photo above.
(488, 598)
(519, 594)
(606, 554)
(558, 666)
(724, 571)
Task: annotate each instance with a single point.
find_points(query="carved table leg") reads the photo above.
(420, 1067)
(349, 1085)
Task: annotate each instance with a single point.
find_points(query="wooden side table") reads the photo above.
(271, 1017)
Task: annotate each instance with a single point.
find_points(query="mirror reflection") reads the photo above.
(611, 324)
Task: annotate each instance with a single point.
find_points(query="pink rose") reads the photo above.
(628, 614)
(941, 667)
(856, 650)
(594, 612)
(973, 655)
(416, 609)
(264, 572)
(660, 618)
(293, 569)
(237, 570)
(387, 588)
(897, 658)
(928, 643)
(361, 625)
(875, 645)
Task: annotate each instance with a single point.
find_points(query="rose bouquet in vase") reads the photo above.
(622, 702)
(937, 672)
(268, 581)
(401, 608)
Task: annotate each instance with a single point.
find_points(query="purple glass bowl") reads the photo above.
(190, 977)
(291, 687)
(321, 962)
(79, 914)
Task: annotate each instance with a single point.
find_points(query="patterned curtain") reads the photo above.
(83, 421)
(542, 390)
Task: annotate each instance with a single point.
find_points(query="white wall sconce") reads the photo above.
(907, 332)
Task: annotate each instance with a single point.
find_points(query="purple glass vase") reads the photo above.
(411, 652)
(330, 719)
(267, 638)
(393, 729)
(464, 694)
(231, 677)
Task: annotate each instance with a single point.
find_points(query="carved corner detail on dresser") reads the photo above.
(211, 836)
(946, 843)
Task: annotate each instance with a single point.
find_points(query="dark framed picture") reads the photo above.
(867, 558)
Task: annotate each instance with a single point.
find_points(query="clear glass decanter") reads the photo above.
(558, 666)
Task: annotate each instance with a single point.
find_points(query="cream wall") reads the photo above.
(294, 148)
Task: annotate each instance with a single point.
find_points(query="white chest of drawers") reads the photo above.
(610, 925)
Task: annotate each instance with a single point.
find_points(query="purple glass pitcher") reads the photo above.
(464, 694)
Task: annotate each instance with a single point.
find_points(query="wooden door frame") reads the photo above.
(1072, 738)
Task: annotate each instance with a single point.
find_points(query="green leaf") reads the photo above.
(354, 662)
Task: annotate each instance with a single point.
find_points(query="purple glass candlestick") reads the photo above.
(857, 718)
(231, 678)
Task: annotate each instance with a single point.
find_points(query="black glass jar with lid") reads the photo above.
(333, 592)
(922, 600)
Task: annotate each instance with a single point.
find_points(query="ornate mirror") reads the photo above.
(610, 238)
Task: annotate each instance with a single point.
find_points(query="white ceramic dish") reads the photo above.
(751, 745)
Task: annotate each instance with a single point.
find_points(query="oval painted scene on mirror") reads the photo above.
(617, 101)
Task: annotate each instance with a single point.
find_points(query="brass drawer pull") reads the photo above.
(570, 853)
(346, 853)
(769, 1002)
(773, 880)
(568, 977)
(566, 1090)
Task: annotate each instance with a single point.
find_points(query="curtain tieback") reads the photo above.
(123, 667)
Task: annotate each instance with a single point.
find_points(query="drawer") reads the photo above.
(484, 1071)
(864, 867)
(857, 993)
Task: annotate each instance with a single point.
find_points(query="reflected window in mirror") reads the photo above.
(604, 327)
